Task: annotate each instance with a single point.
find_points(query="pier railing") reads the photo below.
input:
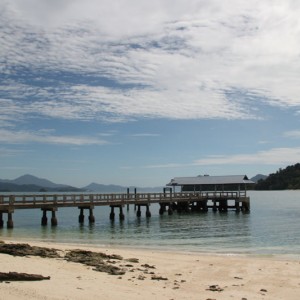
(70, 200)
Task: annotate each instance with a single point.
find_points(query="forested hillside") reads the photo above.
(283, 179)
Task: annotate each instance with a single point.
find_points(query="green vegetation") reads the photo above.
(283, 179)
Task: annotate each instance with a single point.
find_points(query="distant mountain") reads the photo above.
(258, 177)
(30, 183)
(283, 179)
(30, 179)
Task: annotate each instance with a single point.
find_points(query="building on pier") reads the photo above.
(237, 183)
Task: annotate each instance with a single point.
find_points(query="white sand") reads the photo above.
(189, 277)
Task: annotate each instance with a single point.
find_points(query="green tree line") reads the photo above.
(283, 179)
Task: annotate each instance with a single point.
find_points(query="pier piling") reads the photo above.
(91, 216)
(1, 220)
(53, 218)
(112, 213)
(148, 213)
(10, 223)
(121, 214)
(44, 218)
(138, 213)
(81, 216)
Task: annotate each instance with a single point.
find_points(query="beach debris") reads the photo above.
(148, 266)
(133, 260)
(236, 277)
(14, 276)
(263, 290)
(215, 288)
(27, 250)
(157, 277)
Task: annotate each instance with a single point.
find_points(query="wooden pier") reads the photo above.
(168, 201)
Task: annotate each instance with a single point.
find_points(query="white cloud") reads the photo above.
(275, 156)
(120, 60)
(19, 137)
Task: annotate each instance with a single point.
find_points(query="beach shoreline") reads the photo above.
(179, 275)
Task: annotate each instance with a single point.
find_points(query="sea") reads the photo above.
(271, 228)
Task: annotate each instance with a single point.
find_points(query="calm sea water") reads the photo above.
(272, 227)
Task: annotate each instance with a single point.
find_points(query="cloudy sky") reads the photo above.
(136, 92)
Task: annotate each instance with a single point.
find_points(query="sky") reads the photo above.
(136, 92)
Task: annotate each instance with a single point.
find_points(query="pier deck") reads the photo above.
(183, 201)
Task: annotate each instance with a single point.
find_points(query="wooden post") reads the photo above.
(10, 223)
(127, 198)
(170, 210)
(44, 217)
(81, 216)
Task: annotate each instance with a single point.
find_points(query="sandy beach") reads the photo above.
(153, 275)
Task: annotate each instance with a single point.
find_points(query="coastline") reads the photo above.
(185, 275)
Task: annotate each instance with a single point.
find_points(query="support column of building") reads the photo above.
(237, 206)
(148, 213)
(223, 206)
(215, 208)
(204, 206)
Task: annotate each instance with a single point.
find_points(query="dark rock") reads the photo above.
(155, 277)
(215, 288)
(148, 266)
(96, 260)
(132, 260)
(14, 276)
(27, 250)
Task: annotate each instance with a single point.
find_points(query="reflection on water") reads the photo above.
(272, 227)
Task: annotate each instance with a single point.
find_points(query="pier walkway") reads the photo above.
(168, 201)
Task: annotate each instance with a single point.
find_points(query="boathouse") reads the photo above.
(237, 183)
(214, 192)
